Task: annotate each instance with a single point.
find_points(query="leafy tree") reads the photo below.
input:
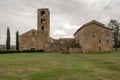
(8, 39)
(17, 40)
(115, 25)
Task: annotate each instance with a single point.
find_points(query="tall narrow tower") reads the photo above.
(43, 28)
(43, 22)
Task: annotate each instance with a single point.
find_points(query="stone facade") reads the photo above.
(91, 37)
(61, 45)
(94, 37)
(28, 40)
(75, 50)
(37, 39)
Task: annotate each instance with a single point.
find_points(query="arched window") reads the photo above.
(42, 20)
(42, 28)
(43, 13)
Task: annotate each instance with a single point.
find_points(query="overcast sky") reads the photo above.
(66, 15)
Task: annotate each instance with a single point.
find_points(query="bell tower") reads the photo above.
(43, 28)
(43, 21)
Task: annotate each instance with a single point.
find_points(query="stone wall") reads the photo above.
(94, 37)
(28, 40)
(37, 39)
(60, 46)
(75, 50)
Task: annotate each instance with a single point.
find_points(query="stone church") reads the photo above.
(91, 37)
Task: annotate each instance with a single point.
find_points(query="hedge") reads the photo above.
(18, 51)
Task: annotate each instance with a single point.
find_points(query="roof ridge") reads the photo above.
(92, 22)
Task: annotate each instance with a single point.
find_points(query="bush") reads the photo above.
(18, 51)
(9, 51)
(27, 51)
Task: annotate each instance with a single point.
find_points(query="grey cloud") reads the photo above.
(21, 14)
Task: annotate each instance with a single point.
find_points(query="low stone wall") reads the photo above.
(75, 50)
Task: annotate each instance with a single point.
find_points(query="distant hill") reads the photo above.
(3, 47)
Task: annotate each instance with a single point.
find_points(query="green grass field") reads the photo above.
(51, 66)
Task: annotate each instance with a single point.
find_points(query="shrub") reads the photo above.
(18, 51)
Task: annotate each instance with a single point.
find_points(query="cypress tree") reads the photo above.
(8, 39)
(17, 40)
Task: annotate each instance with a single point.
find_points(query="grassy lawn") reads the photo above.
(50, 66)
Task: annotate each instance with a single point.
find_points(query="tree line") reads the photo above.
(8, 40)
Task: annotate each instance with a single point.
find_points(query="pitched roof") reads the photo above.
(28, 31)
(43, 9)
(93, 22)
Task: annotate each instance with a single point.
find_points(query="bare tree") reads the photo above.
(115, 25)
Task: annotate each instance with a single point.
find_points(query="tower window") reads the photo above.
(42, 28)
(43, 13)
(42, 20)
